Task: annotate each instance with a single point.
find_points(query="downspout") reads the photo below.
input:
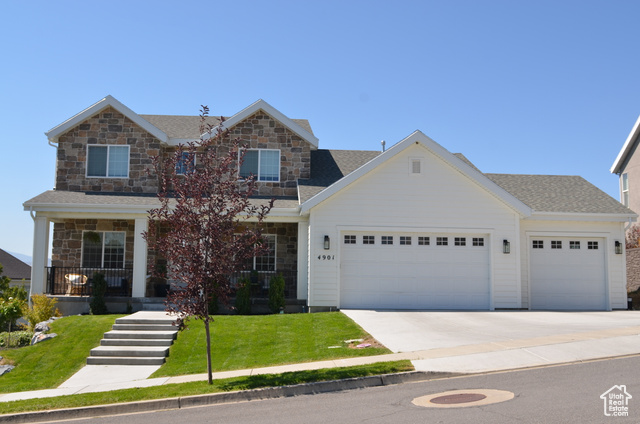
(55, 175)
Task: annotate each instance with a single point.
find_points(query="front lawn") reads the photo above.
(48, 364)
(239, 342)
(201, 387)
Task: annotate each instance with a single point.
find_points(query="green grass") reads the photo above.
(48, 364)
(201, 387)
(239, 342)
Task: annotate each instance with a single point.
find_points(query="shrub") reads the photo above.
(243, 297)
(276, 294)
(99, 288)
(42, 308)
(16, 339)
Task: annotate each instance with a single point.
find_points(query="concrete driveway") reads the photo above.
(490, 341)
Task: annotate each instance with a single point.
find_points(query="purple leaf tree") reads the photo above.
(207, 227)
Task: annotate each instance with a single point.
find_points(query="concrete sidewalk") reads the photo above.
(473, 358)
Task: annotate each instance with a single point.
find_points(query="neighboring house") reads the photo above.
(413, 227)
(18, 271)
(627, 167)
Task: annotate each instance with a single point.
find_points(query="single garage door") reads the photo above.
(567, 273)
(394, 270)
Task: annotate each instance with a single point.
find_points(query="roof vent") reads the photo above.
(383, 144)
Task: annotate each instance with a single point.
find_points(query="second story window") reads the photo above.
(625, 189)
(186, 163)
(108, 161)
(263, 164)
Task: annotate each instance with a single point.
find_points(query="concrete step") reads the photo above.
(120, 334)
(144, 327)
(146, 321)
(131, 351)
(136, 342)
(122, 360)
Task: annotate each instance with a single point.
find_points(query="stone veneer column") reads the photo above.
(140, 259)
(40, 254)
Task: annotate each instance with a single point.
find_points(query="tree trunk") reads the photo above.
(206, 327)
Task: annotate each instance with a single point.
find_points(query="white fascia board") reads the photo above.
(88, 208)
(77, 119)
(417, 137)
(269, 110)
(626, 148)
(567, 216)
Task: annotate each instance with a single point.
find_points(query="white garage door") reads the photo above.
(567, 273)
(392, 270)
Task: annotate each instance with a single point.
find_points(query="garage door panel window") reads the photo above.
(460, 241)
(538, 244)
(556, 244)
(369, 240)
(574, 245)
(387, 240)
(405, 240)
(424, 241)
(592, 245)
(478, 241)
(442, 241)
(349, 239)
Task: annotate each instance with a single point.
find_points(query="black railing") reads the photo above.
(260, 281)
(77, 281)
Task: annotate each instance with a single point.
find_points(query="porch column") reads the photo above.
(303, 260)
(40, 255)
(139, 286)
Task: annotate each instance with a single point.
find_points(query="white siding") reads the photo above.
(440, 199)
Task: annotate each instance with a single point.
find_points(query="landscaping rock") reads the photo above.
(42, 327)
(40, 337)
(5, 369)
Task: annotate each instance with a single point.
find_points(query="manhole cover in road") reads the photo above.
(459, 398)
(463, 398)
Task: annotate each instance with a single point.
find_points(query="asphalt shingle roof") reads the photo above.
(558, 193)
(188, 127)
(14, 268)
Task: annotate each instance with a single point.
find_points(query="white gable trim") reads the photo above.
(77, 119)
(269, 110)
(626, 148)
(420, 138)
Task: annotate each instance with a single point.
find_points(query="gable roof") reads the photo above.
(559, 194)
(78, 118)
(13, 267)
(274, 113)
(186, 127)
(627, 148)
(460, 164)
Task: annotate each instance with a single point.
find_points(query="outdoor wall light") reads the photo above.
(618, 248)
(506, 247)
(327, 243)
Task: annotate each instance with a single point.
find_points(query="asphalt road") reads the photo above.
(558, 394)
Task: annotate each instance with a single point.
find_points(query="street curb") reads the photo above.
(225, 397)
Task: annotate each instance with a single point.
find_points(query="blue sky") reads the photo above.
(526, 87)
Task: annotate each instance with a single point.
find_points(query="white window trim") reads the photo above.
(624, 191)
(275, 254)
(108, 146)
(124, 248)
(257, 175)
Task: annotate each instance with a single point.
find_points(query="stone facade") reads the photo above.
(261, 131)
(109, 127)
(67, 239)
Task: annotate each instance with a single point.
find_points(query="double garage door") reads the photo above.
(394, 270)
(567, 273)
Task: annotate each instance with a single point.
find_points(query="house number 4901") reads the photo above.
(326, 257)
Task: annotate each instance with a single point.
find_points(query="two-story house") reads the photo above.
(413, 227)
(627, 167)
